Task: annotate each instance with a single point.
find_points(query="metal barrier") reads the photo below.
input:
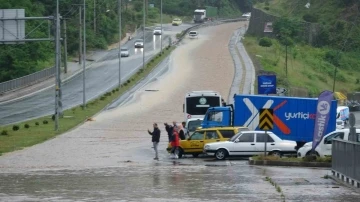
(27, 80)
(346, 161)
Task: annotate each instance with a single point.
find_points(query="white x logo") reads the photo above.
(253, 121)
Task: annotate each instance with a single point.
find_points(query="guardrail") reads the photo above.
(27, 80)
(346, 161)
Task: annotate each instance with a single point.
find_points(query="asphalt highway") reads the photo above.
(100, 77)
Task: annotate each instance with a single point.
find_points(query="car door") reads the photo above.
(211, 136)
(325, 149)
(196, 142)
(260, 143)
(244, 145)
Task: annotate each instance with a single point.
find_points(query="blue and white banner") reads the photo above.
(322, 116)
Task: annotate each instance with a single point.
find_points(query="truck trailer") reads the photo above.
(293, 117)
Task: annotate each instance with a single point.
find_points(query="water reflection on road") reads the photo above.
(162, 181)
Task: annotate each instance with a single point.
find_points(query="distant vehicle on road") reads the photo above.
(157, 31)
(340, 124)
(139, 43)
(250, 143)
(325, 145)
(176, 22)
(196, 103)
(199, 15)
(193, 34)
(247, 15)
(195, 143)
(124, 52)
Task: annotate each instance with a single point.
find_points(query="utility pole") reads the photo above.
(161, 37)
(95, 16)
(144, 37)
(286, 59)
(84, 56)
(120, 43)
(65, 47)
(57, 66)
(80, 39)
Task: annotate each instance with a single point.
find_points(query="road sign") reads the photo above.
(267, 84)
(266, 119)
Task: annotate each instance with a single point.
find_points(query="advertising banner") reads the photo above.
(322, 116)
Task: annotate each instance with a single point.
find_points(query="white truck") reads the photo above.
(199, 15)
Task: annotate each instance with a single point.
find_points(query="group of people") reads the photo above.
(176, 132)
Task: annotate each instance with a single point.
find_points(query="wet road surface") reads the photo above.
(175, 180)
(101, 77)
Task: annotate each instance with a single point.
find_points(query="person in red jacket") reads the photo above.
(175, 143)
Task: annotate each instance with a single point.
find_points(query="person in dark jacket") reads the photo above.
(181, 132)
(169, 130)
(155, 139)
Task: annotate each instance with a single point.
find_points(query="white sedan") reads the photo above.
(250, 143)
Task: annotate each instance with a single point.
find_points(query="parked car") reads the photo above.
(193, 34)
(325, 145)
(124, 52)
(250, 143)
(195, 143)
(157, 31)
(176, 22)
(139, 43)
(343, 113)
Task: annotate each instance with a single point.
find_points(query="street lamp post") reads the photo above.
(144, 36)
(84, 55)
(57, 66)
(119, 43)
(161, 37)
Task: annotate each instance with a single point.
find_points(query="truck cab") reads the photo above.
(218, 117)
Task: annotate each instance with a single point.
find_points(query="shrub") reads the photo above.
(117, 89)
(310, 17)
(265, 42)
(36, 123)
(128, 81)
(113, 91)
(4, 132)
(267, 8)
(102, 98)
(27, 125)
(15, 127)
(45, 122)
(108, 94)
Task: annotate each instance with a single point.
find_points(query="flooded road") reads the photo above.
(170, 180)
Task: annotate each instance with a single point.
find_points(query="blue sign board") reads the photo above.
(267, 84)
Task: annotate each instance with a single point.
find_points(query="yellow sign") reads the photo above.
(266, 119)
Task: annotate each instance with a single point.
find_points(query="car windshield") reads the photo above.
(139, 40)
(193, 33)
(157, 28)
(124, 49)
(234, 137)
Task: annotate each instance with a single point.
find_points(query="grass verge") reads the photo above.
(292, 159)
(21, 135)
(306, 66)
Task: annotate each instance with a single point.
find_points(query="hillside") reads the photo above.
(312, 67)
(23, 59)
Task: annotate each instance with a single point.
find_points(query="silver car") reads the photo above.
(193, 34)
(157, 31)
(139, 43)
(124, 52)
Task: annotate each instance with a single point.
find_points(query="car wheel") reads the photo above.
(221, 154)
(309, 153)
(276, 153)
(195, 155)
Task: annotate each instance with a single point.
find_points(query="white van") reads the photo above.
(325, 145)
(342, 113)
(192, 124)
(193, 34)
